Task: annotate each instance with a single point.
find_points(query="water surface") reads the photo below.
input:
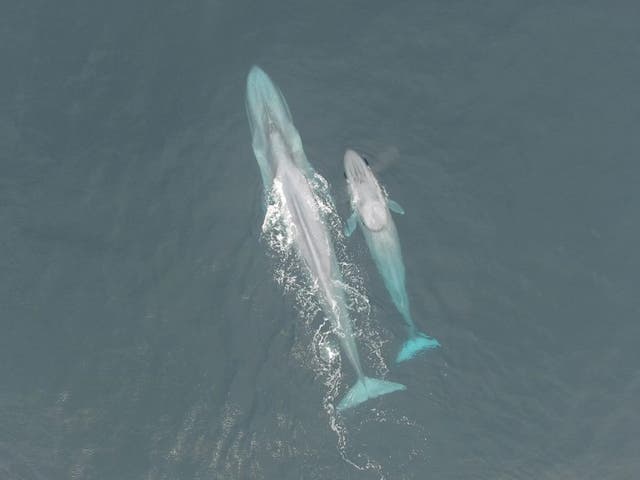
(143, 332)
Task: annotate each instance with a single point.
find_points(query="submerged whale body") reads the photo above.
(278, 150)
(371, 209)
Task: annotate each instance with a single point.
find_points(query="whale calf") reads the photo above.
(371, 206)
(283, 164)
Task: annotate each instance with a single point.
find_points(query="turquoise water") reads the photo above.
(145, 333)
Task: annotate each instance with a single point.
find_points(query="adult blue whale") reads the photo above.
(283, 164)
(371, 208)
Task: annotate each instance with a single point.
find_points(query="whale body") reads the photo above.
(278, 150)
(371, 209)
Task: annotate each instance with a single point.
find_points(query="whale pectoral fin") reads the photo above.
(352, 223)
(395, 207)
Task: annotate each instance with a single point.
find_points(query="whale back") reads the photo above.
(374, 215)
(367, 197)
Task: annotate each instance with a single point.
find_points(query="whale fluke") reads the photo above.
(366, 388)
(416, 344)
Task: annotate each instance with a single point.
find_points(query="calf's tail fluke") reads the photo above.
(366, 388)
(417, 342)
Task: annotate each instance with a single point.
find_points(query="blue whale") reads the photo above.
(278, 149)
(371, 210)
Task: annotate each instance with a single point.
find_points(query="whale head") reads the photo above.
(274, 137)
(366, 195)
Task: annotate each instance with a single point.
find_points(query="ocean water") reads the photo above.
(145, 332)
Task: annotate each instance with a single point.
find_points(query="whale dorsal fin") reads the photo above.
(352, 223)
(395, 206)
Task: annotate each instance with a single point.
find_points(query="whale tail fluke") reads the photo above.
(366, 388)
(414, 345)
